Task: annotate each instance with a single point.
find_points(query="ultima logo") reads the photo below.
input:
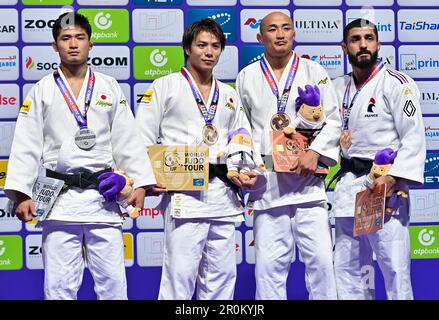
(317, 24)
(150, 212)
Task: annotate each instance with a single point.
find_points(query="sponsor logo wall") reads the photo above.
(137, 41)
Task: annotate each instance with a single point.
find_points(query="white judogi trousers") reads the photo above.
(353, 258)
(201, 252)
(276, 233)
(64, 261)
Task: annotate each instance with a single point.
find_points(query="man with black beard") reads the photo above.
(380, 109)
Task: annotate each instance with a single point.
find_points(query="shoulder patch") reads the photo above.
(408, 91)
(25, 107)
(230, 102)
(147, 96)
(409, 108)
(323, 81)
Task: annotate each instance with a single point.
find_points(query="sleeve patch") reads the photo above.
(409, 108)
(323, 81)
(407, 92)
(147, 96)
(25, 107)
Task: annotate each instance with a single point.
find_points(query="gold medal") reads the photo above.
(345, 139)
(210, 134)
(279, 121)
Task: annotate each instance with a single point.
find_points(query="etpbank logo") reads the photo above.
(431, 170)
(226, 18)
(250, 54)
(109, 25)
(153, 62)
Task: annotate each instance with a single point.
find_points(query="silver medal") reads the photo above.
(85, 138)
(210, 134)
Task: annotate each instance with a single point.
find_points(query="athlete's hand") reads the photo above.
(389, 181)
(137, 198)
(306, 164)
(247, 183)
(156, 190)
(26, 210)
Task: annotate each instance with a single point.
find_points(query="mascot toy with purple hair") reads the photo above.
(381, 165)
(241, 156)
(116, 186)
(309, 110)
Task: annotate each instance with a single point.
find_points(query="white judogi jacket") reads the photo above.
(261, 104)
(386, 114)
(44, 135)
(169, 112)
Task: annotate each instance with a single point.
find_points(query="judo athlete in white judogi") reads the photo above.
(199, 225)
(81, 222)
(380, 109)
(290, 209)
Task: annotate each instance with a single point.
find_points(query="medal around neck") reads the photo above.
(279, 121)
(85, 138)
(210, 134)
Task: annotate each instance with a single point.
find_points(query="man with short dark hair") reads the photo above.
(291, 208)
(76, 123)
(380, 110)
(193, 108)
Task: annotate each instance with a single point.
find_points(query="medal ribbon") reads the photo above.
(346, 108)
(70, 99)
(208, 115)
(281, 100)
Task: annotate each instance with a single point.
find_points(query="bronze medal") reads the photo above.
(279, 121)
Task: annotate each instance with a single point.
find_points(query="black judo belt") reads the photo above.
(355, 165)
(220, 171)
(83, 179)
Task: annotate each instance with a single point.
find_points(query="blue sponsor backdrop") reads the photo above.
(417, 57)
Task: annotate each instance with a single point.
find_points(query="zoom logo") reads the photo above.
(102, 21)
(426, 237)
(158, 58)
